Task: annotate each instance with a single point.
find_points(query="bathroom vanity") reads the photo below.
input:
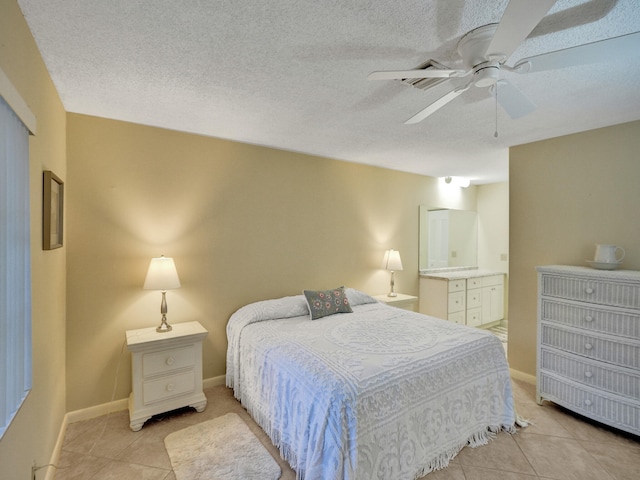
(473, 297)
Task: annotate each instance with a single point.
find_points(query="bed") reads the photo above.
(378, 393)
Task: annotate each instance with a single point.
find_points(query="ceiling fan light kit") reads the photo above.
(484, 51)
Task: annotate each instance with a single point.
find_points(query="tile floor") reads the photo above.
(558, 445)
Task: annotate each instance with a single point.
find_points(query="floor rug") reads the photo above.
(222, 449)
(500, 332)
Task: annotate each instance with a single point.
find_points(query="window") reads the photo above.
(15, 265)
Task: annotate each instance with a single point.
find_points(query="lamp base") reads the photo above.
(392, 293)
(164, 326)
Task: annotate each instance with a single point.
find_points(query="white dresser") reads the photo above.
(166, 371)
(589, 343)
(469, 297)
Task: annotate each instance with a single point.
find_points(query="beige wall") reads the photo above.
(566, 195)
(34, 431)
(493, 232)
(242, 222)
(493, 226)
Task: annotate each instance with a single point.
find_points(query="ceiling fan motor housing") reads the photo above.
(486, 75)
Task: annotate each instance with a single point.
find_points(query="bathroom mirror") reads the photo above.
(448, 238)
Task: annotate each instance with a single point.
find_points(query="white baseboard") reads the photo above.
(525, 377)
(214, 381)
(97, 411)
(57, 449)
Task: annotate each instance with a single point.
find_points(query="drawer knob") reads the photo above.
(589, 318)
(588, 374)
(588, 346)
(588, 290)
(171, 361)
(587, 403)
(170, 387)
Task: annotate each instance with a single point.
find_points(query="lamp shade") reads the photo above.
(162, 274)
(392, 260)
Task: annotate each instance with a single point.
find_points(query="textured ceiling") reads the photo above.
(292, 74)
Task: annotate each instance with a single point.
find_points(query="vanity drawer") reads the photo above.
(595, 374)
(168, 386)
(168, 360)
(492, 280)
(456, 301)
(474, 298)
(606, 408)
(624, 324)
(617, 294)
(608, 349)
(457, 317)
(475, 282)
(457, 285)
(474, 317)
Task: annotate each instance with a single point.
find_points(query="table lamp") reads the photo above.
(392, 262)
(162, 275)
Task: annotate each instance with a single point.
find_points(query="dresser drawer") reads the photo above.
(168, 360)
(168, 386)
(606, 408)
(595, 374)
(600, 347)
(616, 294)
(624, 324)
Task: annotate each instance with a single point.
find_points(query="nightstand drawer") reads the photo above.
(167, 360)
(169, 386)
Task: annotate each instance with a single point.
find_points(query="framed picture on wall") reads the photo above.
(52, 210)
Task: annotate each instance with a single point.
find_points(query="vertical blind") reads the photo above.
(15, 266)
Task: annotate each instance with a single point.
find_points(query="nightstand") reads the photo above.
(406, 302)
(166, 371)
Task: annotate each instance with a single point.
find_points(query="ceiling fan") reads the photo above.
(485, 50)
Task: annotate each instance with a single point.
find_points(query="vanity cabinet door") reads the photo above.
(493, 299)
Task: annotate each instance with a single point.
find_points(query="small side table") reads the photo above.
(166, 371)
(406, 302)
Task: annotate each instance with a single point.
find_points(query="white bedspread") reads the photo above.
(380, 393)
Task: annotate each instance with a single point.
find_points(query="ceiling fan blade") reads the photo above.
(617, 48)
(518, 20)
(419, 73)
(441, 102)
(512, 100)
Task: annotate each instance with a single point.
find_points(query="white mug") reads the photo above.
(608, 254)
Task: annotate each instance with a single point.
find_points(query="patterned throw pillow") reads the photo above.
(327, 302)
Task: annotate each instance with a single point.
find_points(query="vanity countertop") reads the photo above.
(455, 275)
